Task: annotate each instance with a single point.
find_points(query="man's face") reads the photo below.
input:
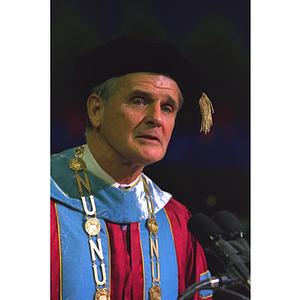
(137, 124)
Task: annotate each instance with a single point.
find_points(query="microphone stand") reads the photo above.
(213, 284)
(232, 293)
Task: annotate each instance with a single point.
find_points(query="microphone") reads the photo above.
(219, 282)
(229, 224)
(210, 236)
(234, 231)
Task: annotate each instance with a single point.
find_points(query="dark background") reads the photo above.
(207, 173)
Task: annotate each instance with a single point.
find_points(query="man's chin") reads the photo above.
(145, 156)
(151, 159)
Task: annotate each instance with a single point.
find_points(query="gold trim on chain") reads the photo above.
(92, 224)
(155, 291)
(93, 227)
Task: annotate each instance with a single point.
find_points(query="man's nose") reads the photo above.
(154, 115)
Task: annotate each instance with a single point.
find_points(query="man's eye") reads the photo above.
(167, 109)
(138, 102)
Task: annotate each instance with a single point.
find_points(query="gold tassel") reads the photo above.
(207, 110)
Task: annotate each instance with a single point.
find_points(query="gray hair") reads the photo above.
(105, 91)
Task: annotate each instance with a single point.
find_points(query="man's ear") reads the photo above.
(95, 109)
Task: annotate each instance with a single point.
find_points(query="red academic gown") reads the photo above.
(126, 282)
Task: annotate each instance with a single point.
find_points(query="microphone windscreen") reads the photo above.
(229, 224)
(202, 227)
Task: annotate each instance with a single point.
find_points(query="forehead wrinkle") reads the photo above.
(149, 94)
(135, 80)
(140, 92)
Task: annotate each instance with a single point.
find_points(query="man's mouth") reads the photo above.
(149, 137)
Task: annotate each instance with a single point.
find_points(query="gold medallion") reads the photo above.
(77, 164)
(92, 226)
(155, 292)
(152, 226)
(102, 294)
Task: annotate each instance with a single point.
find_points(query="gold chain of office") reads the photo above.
(93, 227)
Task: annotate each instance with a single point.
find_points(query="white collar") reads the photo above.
(95, 168)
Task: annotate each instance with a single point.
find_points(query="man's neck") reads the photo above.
(120, 172)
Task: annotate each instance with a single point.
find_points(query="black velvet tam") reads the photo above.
(126, 55)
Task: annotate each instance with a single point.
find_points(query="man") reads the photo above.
(114, 233)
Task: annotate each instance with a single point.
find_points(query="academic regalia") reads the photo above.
(126, 240)
(124, 237)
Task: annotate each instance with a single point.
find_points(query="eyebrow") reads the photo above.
(148, 95)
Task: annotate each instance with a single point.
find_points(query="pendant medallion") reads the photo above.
(102, 294)
(152, 226)
(92, 226)
(77, 164)
(155, 292)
